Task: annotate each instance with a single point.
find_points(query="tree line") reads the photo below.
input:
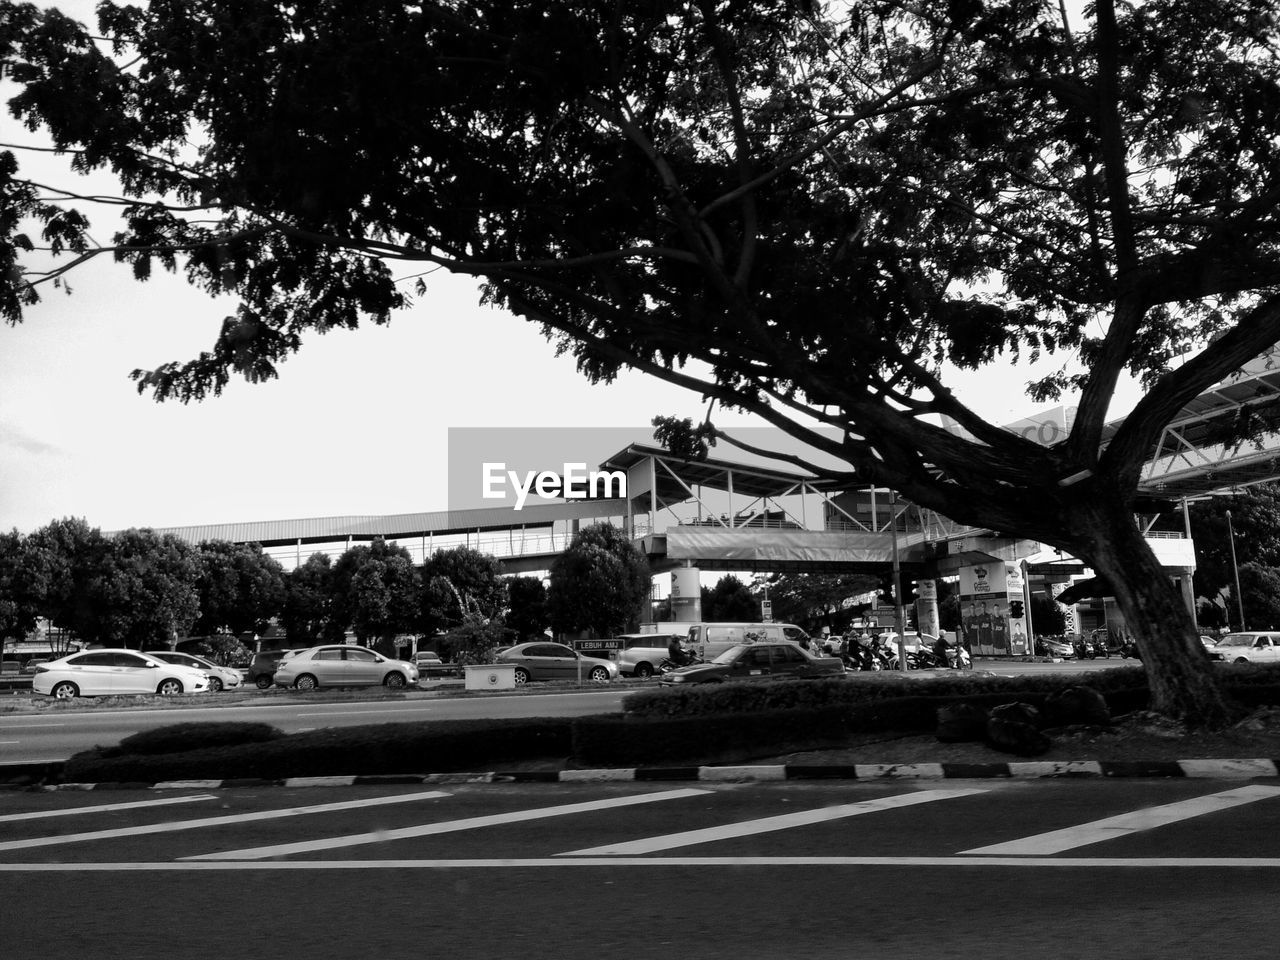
(144, 589)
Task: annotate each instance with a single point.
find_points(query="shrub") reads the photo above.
(194, 736)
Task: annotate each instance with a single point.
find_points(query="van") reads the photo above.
(709, 640)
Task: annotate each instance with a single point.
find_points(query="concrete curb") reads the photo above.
(1228, 769)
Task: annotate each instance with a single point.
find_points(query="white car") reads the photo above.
(1249, 647)
(220, 677)
(343, 665)
(105, 673)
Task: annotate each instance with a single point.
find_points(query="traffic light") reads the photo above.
(888, 597)
(908, 591)
(1015, 609)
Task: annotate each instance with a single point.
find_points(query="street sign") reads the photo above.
(766, 611)
(583, 646)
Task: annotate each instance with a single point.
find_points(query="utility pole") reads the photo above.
(1235, 570)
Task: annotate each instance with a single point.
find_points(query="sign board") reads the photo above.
(766, 611)
(586, 646)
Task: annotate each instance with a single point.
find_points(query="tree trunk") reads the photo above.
(1181, 676)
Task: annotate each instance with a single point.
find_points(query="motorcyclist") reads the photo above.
(676, 652)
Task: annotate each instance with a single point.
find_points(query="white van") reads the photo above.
(709, 640)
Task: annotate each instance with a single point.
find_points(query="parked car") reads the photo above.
(220, 677)
(343, 665)
(98, 673)
(642, 653)
(263, 667)
(1248, 647)
(540, 660)
(427, 658)
(1055, 647)
(759, 661)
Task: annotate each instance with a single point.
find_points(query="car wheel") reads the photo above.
(395, 680)
(169, 688)
(64, 691)
(522, 675)
(644, 671)
(1242, 659)
(305, 682)
(263, 681)
(599, 675)
(215, 685)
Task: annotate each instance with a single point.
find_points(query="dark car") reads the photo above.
(759, 661)
(263, 667)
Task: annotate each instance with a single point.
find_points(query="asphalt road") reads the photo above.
(938, 869)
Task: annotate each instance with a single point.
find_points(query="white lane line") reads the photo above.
(1126, 823)
(449, 826)
(214, 821)
(964, 863)
(765, 824)
(104, 807)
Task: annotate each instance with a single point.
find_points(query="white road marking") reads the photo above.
(963, 862)
(747, 828)
(449, 826)
(214, 821)
(101, 808)
(1147, 818)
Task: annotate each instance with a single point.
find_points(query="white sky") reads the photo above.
(356, 424)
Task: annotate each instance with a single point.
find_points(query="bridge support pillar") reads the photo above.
(686, 594)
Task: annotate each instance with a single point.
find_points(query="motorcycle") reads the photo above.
(666, 665)
(958, 658)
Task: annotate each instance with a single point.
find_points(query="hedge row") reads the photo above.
(700, 700)
(438, 747)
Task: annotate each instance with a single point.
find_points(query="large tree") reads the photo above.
(459, 585)
(600, 584)
(828, 205)
(241, 587)
(375, 593)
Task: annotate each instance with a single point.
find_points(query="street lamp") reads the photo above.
(1231, 533)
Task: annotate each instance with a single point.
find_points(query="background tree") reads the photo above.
(145, 595)
(241, 588)
(730, 599)
(1255, 518)
(527, 607)
(308, 599)
(814, 600)
(830, 206)
(458, 584)
(72, 557)
(1260, 595)
(600, 584)
(1048, 619)
(375, 593)
(21, 587)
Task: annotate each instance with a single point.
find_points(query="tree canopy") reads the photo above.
(828, 207)
(599, 584)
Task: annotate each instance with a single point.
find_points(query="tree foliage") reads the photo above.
(374, 591)
(1260, 593)
(308, 600)
(527, 607)
(826, 206)
(730, 599)
(458, 585)
(599, 584)
(241, 588)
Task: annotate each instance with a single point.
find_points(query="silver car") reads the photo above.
(220, 677)
(541, 660)
(343, 665)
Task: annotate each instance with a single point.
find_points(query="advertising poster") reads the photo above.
(1019, 626)
(984, 620)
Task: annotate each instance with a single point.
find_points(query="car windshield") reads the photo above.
(732, 654)
(1236, 640)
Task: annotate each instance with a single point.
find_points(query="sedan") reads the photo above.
(100, 673)
(1247, 648)
(759, 661)
(220, 677)
(554, 661)
(343, 665)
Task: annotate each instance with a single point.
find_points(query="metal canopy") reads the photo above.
(753, 481)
